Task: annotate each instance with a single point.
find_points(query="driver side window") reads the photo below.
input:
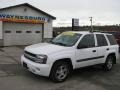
(87, 41)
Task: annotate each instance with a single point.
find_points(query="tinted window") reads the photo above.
(87, 41)
(101, 40)
(111, 39)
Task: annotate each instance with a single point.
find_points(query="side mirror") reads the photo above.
(81, 46)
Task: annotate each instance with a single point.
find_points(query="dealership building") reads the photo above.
(24, 24)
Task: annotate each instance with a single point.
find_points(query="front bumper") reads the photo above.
(36, 68)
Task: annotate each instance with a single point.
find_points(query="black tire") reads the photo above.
(60, 72)
(109, 63)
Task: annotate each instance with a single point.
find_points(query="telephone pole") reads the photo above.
(91, 20)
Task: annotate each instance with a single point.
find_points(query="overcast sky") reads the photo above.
(104, 12)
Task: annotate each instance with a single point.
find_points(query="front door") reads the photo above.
(86, 52)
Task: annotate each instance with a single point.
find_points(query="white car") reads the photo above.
(68, 51)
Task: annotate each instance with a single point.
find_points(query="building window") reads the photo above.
(28, 31)
(18, 31)
(7, 31)
(37, 31)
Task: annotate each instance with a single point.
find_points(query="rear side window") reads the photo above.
(101, 40)
(111, 39)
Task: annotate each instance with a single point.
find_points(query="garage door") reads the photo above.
(22, 33)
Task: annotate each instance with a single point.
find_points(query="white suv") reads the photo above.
(69, 51)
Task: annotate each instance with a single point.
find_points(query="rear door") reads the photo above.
(102, 47)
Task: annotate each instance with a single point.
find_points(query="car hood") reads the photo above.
(45, 48)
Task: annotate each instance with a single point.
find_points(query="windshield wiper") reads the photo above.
(52, 42)
(61, 44)
(58, 43)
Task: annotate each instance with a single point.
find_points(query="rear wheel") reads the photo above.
(60, 72)
(109, 63)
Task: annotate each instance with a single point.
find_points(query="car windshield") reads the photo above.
(66, 39)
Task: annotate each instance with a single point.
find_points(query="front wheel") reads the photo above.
(60, 72)
(109, 63)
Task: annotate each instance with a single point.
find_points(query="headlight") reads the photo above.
(41, 59)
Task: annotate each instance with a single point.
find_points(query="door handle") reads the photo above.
(94, 51)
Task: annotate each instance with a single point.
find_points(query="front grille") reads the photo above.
(30, 56)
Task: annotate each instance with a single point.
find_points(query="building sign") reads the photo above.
(19, 18)
(75, 22)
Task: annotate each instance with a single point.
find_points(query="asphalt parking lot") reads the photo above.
(15, 77)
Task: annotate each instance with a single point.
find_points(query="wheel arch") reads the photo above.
(114, 55)
(67, 60)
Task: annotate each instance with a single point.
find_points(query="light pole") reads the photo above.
(91, 20)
